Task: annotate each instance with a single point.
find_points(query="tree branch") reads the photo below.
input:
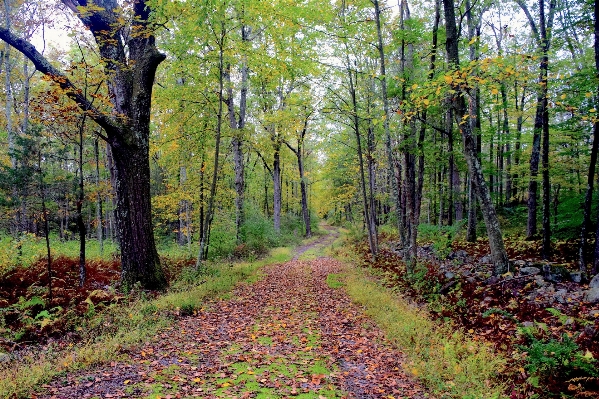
(58, 77)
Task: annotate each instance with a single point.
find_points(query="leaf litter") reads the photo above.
(288, 335)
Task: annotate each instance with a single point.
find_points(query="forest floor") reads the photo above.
(294, 333)
(537, 314)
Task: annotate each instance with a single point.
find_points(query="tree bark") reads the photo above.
(595, 268)
(99, 225)
(386, 116)
(356, 127)
(299, 154)
(130, 69)
(237, 124)
(205, 232)
(276, 184)
(498, 253)
(542, 36)
(80, 199)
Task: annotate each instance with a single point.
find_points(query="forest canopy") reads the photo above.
(228, 127)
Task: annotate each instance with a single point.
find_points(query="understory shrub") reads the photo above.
(440, 237)
(557, 358)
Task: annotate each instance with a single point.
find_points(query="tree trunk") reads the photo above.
(384, 95)
(130, 68)
(305, 210)
(356, 127)
(589, 194)
(8, 105)
(205, 232)
(498, 253)
(542, 35)
(80, 199)
(237, 143)
(450, 190)
(299, 154)
(99, 230)
(276, 185)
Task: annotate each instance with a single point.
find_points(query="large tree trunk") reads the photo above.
(130, 69)
(498, 253)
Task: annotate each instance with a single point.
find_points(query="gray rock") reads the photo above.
(492, 280)
(458, 255)
(576, 277)
(555, 273)
(592, 295)
(594, 313)
(485, 259)
(449, 275)
(560, 296)
(594, 282)
(519, 263)
(528, 324)
(4, 357)
(590, 331)
(471, 280)
(539, 281)
(530, 271)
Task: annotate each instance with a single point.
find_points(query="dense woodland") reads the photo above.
(215, 130)
(235, 124)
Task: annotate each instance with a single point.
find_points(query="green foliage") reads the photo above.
(441, 237)
(558, 358)
(425, 280)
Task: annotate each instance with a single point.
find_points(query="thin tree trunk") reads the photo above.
(388, 145)
(542, 35)
(276, 184)
(80, 199)
(498, 253)
(42, 189)
(99, 230)
(356, 128)
(589, 194)
(450, 190)
(204, 237)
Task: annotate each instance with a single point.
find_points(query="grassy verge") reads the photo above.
(107, 333)
(452, 363)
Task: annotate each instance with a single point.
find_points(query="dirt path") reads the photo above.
(288, 335)
(320, 243)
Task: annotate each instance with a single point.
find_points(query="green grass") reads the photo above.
(34, 247)
(450, 362)
(106, 334)
(333, 281)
